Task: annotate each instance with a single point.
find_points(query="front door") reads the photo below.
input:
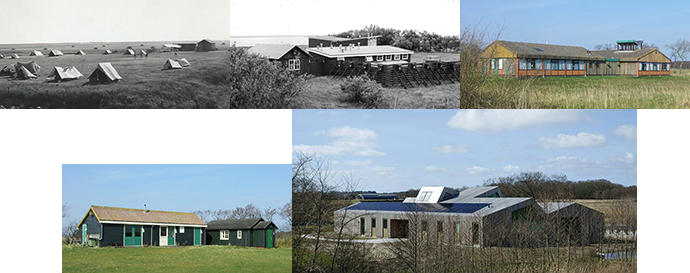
(83, 234)
(163, 236)
(269, 238)
(495, 66)
(132, 235)
(197, 236)
(171, 236)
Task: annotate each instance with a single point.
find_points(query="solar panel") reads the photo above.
(537, 49)
(414, 207)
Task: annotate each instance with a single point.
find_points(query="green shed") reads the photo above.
(252, 232)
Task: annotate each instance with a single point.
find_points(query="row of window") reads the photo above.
(139, 230)
(536, 64)
(380, 58)
(225, 234)
(645, 66)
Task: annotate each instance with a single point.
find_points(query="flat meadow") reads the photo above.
(176, 259)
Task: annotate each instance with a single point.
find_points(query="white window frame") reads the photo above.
(239, 235)
(405, 56)
(500, 63)
(396, 57)
(294, 64)
(389, 57)
(379, 58)
(424, 196)
(225, 235)
(181, 229)
(369, 58)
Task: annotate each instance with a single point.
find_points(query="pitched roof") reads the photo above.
(358, 51)
(265, 225)
(247, 223)
(115, 215)
(533, 50)
(630, 56)
(273, 51)
(108, 70)
(65, 73)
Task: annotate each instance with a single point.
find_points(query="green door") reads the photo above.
(495, 66)
(197, 236)
(83, 234)
(171, 236)
(132, 235)
(269, 238)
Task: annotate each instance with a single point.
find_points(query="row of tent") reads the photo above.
(104, 73)
(52, 53)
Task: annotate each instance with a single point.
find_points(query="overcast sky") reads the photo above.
(180, 188)
(580, 23)
(396, 150)
(322, 17)
(49, 21)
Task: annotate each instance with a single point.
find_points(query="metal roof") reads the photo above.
(419, 207)
(546, 51)
(113, 214)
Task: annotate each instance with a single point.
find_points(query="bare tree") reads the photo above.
(680, 50)
(268, 213)
(65, 208)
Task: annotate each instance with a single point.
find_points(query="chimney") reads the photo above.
(145, 210)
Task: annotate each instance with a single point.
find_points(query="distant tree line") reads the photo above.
(248, 211)
(418, 41)
(543, 187)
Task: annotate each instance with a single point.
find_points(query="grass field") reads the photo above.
(176, 259)
(598, 92)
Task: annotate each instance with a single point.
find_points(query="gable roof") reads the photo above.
(247, 223)
(207, 41)
(265, 225)
(55, 52)
(170, 64)
(273, 51)
(123, 215)
(543, 51)
(358, 51)
(108, 70)
(630, 56)
(65, 73)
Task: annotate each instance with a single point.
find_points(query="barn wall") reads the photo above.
(113, 234)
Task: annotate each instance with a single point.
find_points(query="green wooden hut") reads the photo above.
(251, 232)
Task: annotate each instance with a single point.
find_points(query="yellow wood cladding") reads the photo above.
(496, 50)
(655, 57)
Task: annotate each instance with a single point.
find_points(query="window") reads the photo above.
(373, 222)
(341, 58)
(554, 65)
(361, 226)
(576, 65)
(293, 64)
(181, 229)
(569, 65)
(225, 235)
(538, 64)
(369, 58)
(655, 67)
(379, 58)
(493, 64)
(396, 57)
(639, 66)
(128, 232)
(405, 56)
(164, 231)
(523, 64)
(137, 231)
(389, 57)
(500, 63)
(547, 64)
(530, 64)
(561, 64)
(385, 223)
(239, 234)
(664, 67)
(582, 65)
(424, 196)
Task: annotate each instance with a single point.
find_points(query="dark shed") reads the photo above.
(252, 232)
(206, 45)
(110, 226)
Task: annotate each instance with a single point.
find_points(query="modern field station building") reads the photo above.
(110, 226)
(476, 216)
(517, 59)
(252, 232)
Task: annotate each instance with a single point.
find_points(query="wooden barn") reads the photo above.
(326, 58)
(293, 57)
(206, 45)
(630, 60)
(516, 59)
(110, 226)
(187, 46)
(251, 232)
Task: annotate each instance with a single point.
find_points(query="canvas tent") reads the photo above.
(2, 56)
(23, 74)
(32, 67)
(129, 52)
(107, 51)
(67, 73)
(80, 52)
(183, 62)
(36, 53)
(170, 64)
(8, 70)
(104, 73)
(54, 53)
(143, 53)
(15, 56)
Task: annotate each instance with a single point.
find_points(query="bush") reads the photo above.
(361, 89)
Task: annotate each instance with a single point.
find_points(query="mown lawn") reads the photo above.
(176, 259)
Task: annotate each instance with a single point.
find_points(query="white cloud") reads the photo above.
(434, 169)
(511, 169)
(356, 162)
(489, 121)
(627, 131)
(354, 141)
(580, 140)
(478, 170)
(447, 149)
(567, 160)
(629, 158)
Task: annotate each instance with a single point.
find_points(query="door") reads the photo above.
(163, 239)
(373, 227)
(132, 235)
(495, 66)
(385, 228)
(83, 234)
(269, 238)
(171, 236)
(197, 236)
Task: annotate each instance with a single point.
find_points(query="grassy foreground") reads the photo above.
(599, 92)
(176, 259)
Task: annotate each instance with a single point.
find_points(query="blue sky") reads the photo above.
(580, 23)
(182, 188)
(395, 150)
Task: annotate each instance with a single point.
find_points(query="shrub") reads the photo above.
(361, 89)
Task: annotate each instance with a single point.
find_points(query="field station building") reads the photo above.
(110, 226)
(476, 216)
(252, 232)
(517, 59)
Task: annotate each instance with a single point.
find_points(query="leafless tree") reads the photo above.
(680, 50)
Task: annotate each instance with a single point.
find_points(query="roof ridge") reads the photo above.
(142, 210)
